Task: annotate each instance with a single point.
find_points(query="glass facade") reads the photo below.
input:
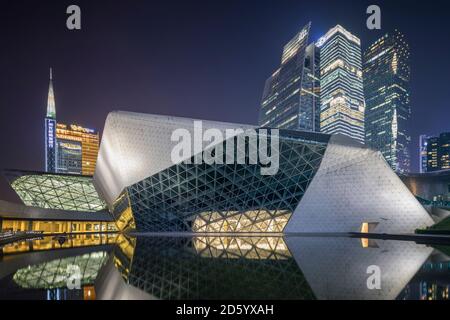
(291, 95)
(77, 149)
(57, 227)
(386, 88)
(69, 156)
(435, 152)
(70, 149)
(229, 197)
(341, 84)
(55, 191)
(423, 146)
(122, 213)
(50, 129)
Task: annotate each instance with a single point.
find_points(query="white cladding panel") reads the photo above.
(135, 146)
(354, 184)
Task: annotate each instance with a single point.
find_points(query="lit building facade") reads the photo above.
(54, 204)
(77, 149)
(55, 191)
(423, 146)
(321, 184)
(342, 102)
(69, 149)
(386, 88)
(291, 95)
(50, 129)
(435, 152)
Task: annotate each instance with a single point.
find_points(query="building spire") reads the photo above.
(51, 108)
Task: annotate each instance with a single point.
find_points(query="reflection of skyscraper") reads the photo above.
(68, 148)
(386, 88)
(291, 95)
(341, 85)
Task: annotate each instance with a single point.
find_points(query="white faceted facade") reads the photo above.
(355, 185)
(135, 146)
(325, 184)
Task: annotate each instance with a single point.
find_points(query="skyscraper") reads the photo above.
(423, 142)
(341, 84)
(435, 152)
(291, 95)
(76, 149)
(69, 149)
(386, 88)
(50, 129)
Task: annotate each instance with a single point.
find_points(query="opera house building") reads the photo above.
(321, 184)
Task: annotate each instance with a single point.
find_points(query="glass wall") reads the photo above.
(58, 227)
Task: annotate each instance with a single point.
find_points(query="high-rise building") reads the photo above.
(444, 151)
(341, 84)
(386, 89)
(435, 152)
(50, 129)
(291, 95)
(423, 146)
(76, 149)
(69, 149)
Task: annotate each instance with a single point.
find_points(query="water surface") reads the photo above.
(222, 267)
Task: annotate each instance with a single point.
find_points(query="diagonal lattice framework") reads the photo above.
(258, 248)
(53, 191)
(54, 274)
(217, 268)
(227, 197)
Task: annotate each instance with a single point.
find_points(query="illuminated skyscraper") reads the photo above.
(50, 129)
(423, 152)
(77, 149)
(435, 152)
(386, 88)
(341, 84)
(69, 149)
(291, 95)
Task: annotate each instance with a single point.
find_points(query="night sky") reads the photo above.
(193, 58)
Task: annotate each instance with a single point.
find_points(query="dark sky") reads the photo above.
(193, 58)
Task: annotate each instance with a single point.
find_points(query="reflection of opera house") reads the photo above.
(324, 184)
(213, 267)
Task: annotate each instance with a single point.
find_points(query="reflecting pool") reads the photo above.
(115, 266)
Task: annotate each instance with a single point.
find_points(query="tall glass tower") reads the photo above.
(69, 149)
(386, 88)
(291, 95)
(50, 129)
(435, 152)
(342, 103)
(423, 152)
